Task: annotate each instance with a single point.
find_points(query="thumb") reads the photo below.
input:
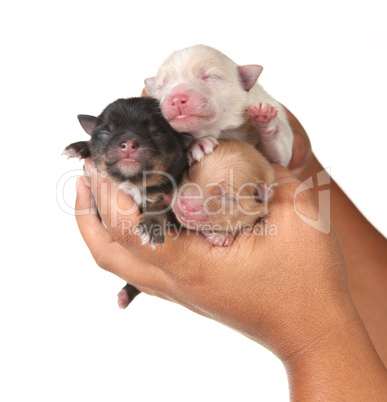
(116, 208)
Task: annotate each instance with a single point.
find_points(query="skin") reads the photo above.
(364, 248)
(254, 285)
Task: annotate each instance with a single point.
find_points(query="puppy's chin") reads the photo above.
(185, 123)
(125, 168)
(189, 123)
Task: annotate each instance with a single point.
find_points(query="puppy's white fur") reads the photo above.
(218, 99)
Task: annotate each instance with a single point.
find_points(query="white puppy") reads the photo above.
(206, 94)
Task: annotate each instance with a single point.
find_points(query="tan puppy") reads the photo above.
(205, 93)
(226, 192)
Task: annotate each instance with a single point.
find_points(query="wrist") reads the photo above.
(340, 362)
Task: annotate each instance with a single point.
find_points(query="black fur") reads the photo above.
(139, 120)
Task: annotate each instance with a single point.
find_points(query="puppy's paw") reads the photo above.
(78, 150)
(126, 295)
(123, 299)
(261, 114)
(220, 239)
(201, 147)
(151, 231)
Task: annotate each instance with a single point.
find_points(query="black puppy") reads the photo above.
(138, 149)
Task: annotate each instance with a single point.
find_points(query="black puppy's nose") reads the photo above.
(128, 146)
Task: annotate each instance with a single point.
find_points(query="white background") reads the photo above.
(62, 336)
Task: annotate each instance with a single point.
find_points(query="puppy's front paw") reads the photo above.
(150, 231)
(220, 239)
(203, 146)
(78, 150)
(261, 114)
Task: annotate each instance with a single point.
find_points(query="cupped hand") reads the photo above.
(273, 285)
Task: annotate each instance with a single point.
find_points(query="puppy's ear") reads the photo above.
(263, 192)
(88, 123)
(150, 84)
(249, 75)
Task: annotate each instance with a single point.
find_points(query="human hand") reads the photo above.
(285, 289)
(253, 286)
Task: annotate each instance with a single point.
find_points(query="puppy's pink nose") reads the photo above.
(128, 147)
(179, 100)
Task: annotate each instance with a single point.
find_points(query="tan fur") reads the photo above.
(155, 178)
(233, 169)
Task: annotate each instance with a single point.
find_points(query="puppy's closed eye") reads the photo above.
(226, 197)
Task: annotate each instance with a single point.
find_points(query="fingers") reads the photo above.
(87, 218)
(117, 210)
(109, 254)
(121, 215)
(145, 93)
